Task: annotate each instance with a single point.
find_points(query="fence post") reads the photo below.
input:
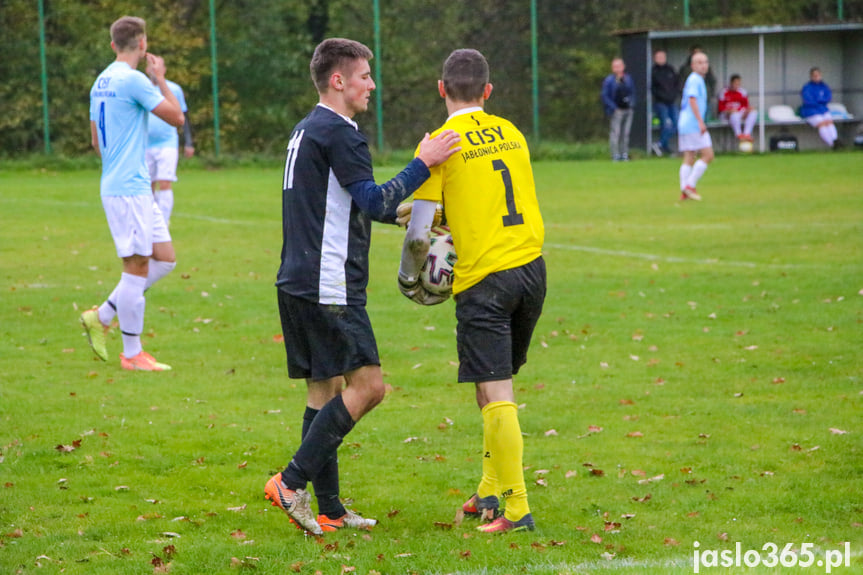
(45, 124)
(215, 67)
(534, 64)
(379, 107)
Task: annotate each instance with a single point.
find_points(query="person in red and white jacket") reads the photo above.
(734, 107)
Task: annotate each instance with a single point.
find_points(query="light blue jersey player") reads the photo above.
(695, 87)
(120, 102)
(161, 134)
(693, 139)
(163, 153)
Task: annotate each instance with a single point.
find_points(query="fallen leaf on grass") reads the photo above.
(393, 513)
(69, 448)
(465, 554)
(612, 526)
(606, 555)
(278, 338)
(542, 482)
(442, 525)
(638, 473)
(15, 534)
(160, 566)
(348, 569)
(550, 432)
(693, 514)
(722, 536)
(238, 534)
(627, 516)
(642, 499)
(597, 472)
(778, 380)
(634, 434)
(670, 542)
(596, 538)
(836, 431)
(569, 474)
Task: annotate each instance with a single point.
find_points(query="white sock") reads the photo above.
(751, 119)
(130, 311)
(165, 201)
(697, 171)
(157, 270)
(827, 134)
(685, 170)
(734, 120)
(108, 309)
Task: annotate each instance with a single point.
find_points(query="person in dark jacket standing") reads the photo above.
(618, 99)
(663, 88)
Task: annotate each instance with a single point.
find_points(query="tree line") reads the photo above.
(264, 47)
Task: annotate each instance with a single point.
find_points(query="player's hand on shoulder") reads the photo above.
(412, 289)
(437, 150)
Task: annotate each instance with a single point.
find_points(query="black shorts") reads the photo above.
(323, 341)
(496, 318)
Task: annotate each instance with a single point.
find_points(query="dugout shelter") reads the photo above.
(774, 62)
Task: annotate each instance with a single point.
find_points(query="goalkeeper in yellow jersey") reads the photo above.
(489, 200)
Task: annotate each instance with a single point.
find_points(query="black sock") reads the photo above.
(320, 444)
(326, 484)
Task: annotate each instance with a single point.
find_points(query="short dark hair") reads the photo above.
(734, 77)
(127, 31)
(336, 54)
(814, 69)
(465, 74)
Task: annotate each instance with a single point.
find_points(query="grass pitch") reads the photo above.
(696, 376)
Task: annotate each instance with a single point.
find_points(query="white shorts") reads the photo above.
(694, 142)
(162, 163)
(136, 224)
(818, 118)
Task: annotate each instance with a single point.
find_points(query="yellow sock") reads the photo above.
(488, 485)
(506, 446)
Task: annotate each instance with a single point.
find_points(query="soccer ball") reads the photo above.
(745, 146)
(436, 276)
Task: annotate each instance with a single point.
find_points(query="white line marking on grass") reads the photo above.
(668, 259)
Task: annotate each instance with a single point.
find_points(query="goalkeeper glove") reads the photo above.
(403, 214)
(414, 290)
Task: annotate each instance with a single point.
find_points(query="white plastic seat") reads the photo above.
(839, 111)
(782, 113)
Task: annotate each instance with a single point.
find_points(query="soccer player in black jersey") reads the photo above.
(328, 203)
